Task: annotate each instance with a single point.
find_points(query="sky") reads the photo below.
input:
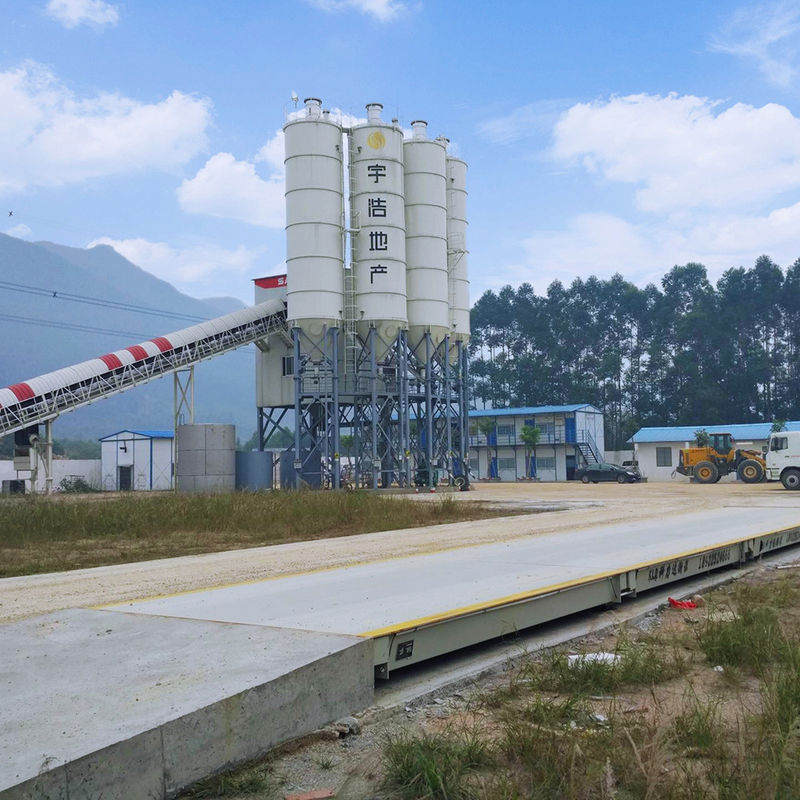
(622, 136)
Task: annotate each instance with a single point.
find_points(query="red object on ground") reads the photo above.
(319, 794)
(681, 603)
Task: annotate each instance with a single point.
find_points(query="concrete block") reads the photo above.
(125, 705)
(247, 725)
(191, 462)
(220, 437)
(132, 768)
(185, 483)
(214, 483)
(251, 723)
(191, 437)
(220, 462)
(50, 785)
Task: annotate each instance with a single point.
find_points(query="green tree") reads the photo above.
(488, 426)
(702, 437)
(530, 436)
(778, 425)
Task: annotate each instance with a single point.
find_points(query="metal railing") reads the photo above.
(559, 436)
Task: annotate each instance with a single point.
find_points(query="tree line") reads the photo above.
(686, 352)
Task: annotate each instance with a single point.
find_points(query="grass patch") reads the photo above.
(637, 664)
(750, 640)
(40, 534)
(698, 727)
(434, 767)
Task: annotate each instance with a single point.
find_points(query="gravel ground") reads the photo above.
(581, 506)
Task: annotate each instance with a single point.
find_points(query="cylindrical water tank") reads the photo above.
(314, 220)
(426, 236)
(205, 458)
(376, 175)
(457, 248)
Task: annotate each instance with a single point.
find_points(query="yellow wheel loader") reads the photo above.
(721, 457)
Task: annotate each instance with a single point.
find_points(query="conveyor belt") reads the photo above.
(43, 398)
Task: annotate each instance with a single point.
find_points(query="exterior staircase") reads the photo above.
(587, 447)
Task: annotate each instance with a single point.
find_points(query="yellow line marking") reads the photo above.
(555, 587)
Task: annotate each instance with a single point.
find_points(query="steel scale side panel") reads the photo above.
(412, 646)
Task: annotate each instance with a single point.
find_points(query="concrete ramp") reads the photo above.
(116, 705)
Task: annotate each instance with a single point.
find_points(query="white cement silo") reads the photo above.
(376, 176)
(457, 248)
(314, 220)
(426, 236)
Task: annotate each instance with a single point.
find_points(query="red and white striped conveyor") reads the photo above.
(43, 398)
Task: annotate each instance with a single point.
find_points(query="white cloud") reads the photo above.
(711, 184)
(225, 187)
(684, 152)
(381, 10)
(523, 121)
(232, 189)
(50, 137)
(201, 270)
(71, 13)
(21, 231)
(767, 34)
(602, 244)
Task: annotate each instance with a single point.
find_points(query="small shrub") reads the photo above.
(75, 486)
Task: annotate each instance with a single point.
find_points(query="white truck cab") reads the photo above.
(783, 458)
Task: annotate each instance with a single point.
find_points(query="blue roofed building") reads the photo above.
(570, 436)
(136, 460)
(657, 449)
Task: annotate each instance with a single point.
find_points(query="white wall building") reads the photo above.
(570, 436)
(136, 460)
(64, 469)
(657, 450)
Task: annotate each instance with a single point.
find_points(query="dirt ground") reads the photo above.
(569, 506)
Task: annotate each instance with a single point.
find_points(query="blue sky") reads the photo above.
(601, 137)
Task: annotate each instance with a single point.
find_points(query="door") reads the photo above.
(125, 478)
(571, 468)
(570, 434)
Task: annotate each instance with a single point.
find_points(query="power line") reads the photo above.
(96, 301)
(48, 323)
(81, 328)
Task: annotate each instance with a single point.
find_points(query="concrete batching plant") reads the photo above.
(377, 306)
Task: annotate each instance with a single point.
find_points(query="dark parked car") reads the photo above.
(607, 472)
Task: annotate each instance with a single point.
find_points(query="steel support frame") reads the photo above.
(316, 409)
(405, 408)
(269, 422)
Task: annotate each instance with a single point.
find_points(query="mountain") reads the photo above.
(36, 335)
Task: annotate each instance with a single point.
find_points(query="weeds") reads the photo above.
(434, 767)
(635, 665)
(698, 728)
(751, 639)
